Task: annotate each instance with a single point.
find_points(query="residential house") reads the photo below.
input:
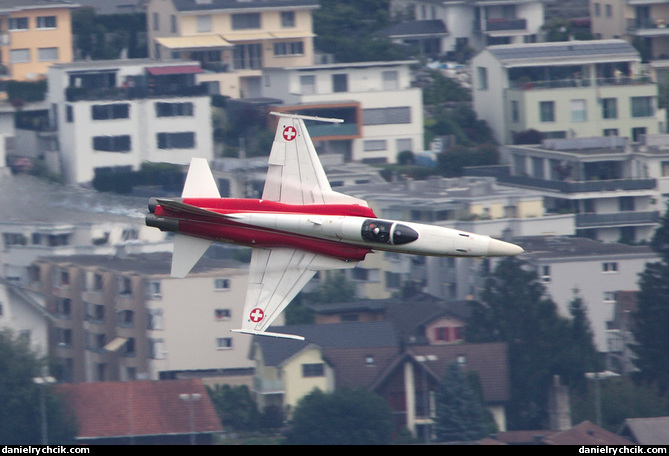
(382, 112)
(442, 27)
(615, 188)
(233, 40)
(174, 412)
(116, 114)
(594, 271)
(34, 34)
(125, 318)
(368, 355)
(584, 433)
(646, 431)
(565, 90)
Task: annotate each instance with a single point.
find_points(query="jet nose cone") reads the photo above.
(497, 248)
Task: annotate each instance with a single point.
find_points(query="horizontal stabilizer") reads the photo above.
(269, 334)
(187, 251)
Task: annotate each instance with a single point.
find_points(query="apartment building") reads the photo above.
(124, 318)
(116, 114)
(565, 90)
(440, 27)
(382, 112)
(615, 188)
(34, 34)
(232, 39)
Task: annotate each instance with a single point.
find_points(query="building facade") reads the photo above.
(117, 114)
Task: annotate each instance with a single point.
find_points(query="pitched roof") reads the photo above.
(195, 5)
(359, 367)
(586, 433)
(138, 408)
(335, 335)
(432, 27)
(647, 431)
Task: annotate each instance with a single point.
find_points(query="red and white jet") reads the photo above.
(298, 227)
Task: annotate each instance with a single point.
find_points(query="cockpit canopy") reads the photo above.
(391, 233)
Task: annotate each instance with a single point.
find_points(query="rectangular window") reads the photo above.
(313, 370)
(174, 109)
(289, 48)
(610, 266)
(308, 85)
(482, 73)
(515, 111)
(46, 22)
(110, 111)
(223, 343)
(222, 284)
(180, 140)
(248, 56)
(204, 23)
(390, 80)
(19, 56)
(547, 111)
(222, 314)
(578, 110)
(287, 19)
(18, 23)
(609, 108)
(340, 82)
(49, 54)
(642, 107)
(245, 21)
(385, 116)
(372, 145)
(119, 143)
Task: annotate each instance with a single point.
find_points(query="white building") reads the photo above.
(117, 114)
(471, 24)
(565, 90)
(382, 112)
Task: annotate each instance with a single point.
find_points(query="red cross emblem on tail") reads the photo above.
(256, 315)
(289, 133)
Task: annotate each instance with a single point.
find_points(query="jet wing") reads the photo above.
(275, 277)
(295, 174)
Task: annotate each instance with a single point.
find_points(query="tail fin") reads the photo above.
(200, 183)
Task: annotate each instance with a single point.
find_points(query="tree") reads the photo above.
(344, 417)
(649, 328)
(460, 414)
(514, 308)
(20, 410)
(235, 407)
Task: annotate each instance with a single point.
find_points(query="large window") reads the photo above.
(119, 143)
(248, 56)
(642, 107)
(48, 54)
(174, 109)
(289, 48)
(578, 111)
(204, 23)
(18, 23)
(110, 111)
(609, 108)
(245, 21)
(19, 56)
(547, 111)
(340, 82)
(46, 22)
(383, 116)
(180, 140)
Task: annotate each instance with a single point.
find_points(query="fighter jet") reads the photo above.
(298, 227)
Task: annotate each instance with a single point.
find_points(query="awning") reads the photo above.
(115, 344)
(257, 36)
(289, 35)
(174, 69)
(193, 42)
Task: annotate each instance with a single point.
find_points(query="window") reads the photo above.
(545, 273)
(610, 132)
(110, 111)
(155, 319)
(157, 349)
(204, 23)
(222, 284)
(308, 85)
(46, 22)
(597, 10)
(626, 204)
(223, 343)
(156, 21)
(372, 145)
(313, 370)
(49, 54)
(248, 56)
(547, 111)
(180, 140)
(390, 80)
(19, 56)
(18, 23)
(340, 82)
(637, 133)
(119, 143)
(609, 296)
(384, 116)
(482, 73)
(289, 48)
(174, 109)
(244, 21)
(610, 266)
(125, 318)
(642, 107)
(609, 108)
(608, 9)
(222, 314)
(153, 290)
(173, 23)
(287, 19)
(578, 110)
(515, 111)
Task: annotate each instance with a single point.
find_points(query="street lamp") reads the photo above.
(190, 399)
(42, 382)
(597, 377)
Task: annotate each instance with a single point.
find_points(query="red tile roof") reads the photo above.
(586, 433)
(139, 408)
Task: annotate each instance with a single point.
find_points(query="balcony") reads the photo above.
(523, 84)
(503, 25)
(73, 94)
(617, 219)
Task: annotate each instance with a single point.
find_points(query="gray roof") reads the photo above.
(554, 52)
(194, 5)
(331, 336)
(10, 5)
(563, 247)
(430, 28)
(647, 431)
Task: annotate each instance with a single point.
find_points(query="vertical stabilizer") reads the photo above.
(187, 251)
(200, 181)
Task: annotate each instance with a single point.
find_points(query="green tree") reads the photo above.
(344, 417)
(650, 329)
(460, 416)
(514, 309)
(235, 407)
(20, 409)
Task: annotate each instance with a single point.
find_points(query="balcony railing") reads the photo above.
(576, 82)
(498, 25)
(120, 93)
(580, 186)
(617, 219)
